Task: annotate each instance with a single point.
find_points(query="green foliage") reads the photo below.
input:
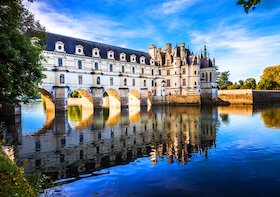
(250, 83)
(223, 81)
(270, 79)
(248, 4)
(75, 94)
(12, 179)
(39, 181)
(20, 62)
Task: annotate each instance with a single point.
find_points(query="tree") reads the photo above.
(248, 4)
(223, 81)
(270, 79)
(250, 83)
(20, 60)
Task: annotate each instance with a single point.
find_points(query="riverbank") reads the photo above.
(12, 179)
(249, 96)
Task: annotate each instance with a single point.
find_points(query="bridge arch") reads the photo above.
(47, 99)
(134, 98)
(83, 98)
(111, 98)
(150, 98)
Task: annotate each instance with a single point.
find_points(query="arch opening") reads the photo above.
(47, 99)
(80, 97)
(111, 99)
(150, 98)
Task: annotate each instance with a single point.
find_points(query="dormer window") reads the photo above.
(110, 55)
(79, 50)
(133, 58)
(123, 57)
(95, 52)
(152, 62)
(142, 60)
(59, 46)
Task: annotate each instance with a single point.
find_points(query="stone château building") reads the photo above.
(125, 76)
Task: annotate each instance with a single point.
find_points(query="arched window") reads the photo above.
(61, 79)
(210, 76)
(98, 80)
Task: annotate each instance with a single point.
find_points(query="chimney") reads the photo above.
(168, 47)
(152, 51)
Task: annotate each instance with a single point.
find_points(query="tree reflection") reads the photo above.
(271, 117)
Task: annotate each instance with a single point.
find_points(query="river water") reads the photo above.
(162, 151)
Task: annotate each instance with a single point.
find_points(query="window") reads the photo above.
(133, 82)
(133, 58)
(195, 83)
(168, 83)
(168, 72)
(133, 70)
(195, 72)
(152, 83)
(125, 82)
(184, 82)
(80, 78)
(111, 67)
(95, 52)
(59, 46)
(184, 71)
(152, 71)
(59, 61)
(110, 54)
(206, 77)
(123, 69)
(203, 75)
(142, 71)
(111, 81)
(61, 79)
(80, 65)
(96, 65)
(144, 83)
(79, 50)
(210, 76)
(98, 80)
(159, 72)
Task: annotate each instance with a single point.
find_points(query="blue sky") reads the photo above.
(242, 43)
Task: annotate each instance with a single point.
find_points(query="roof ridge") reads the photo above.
(93, 42)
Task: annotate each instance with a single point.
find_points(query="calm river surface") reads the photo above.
(166, 151)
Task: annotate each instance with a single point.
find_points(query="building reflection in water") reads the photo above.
(80, 142)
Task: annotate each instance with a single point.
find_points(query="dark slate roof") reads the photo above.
(70, 43)
(205, 63)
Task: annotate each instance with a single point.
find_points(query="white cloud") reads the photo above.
(87, 26)
(239, 51)
(174, 6)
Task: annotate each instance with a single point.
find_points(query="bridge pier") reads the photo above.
(124, 92)
(97, 94)
(144, 97)
(60, 98)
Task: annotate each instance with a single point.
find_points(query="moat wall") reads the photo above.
(249, 97)
(183, 100)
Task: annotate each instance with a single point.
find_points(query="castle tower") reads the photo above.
(152, 51)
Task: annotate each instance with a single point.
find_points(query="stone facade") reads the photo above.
(120, 75)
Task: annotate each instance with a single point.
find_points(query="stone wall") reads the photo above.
(249, 96)
(183, 100)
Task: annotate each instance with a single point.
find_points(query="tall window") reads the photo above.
(133, 82)
(195, 72)
(61, 79)
(206, 74)
(123, 69)
(125, 82)
(80, 65)
(152, 71)
(96, 65)
(133, 70)
(60, 62)
(168, 72)
(152, 83)
(184, 82)
(159, 72)
(210, 76)
(142, 71)
(98, 80)
(111, 81)
(168, 83)
(111, 67)
(80, 77)
(144, 83)
(184, 71)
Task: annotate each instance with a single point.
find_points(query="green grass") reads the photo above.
(12, 179)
